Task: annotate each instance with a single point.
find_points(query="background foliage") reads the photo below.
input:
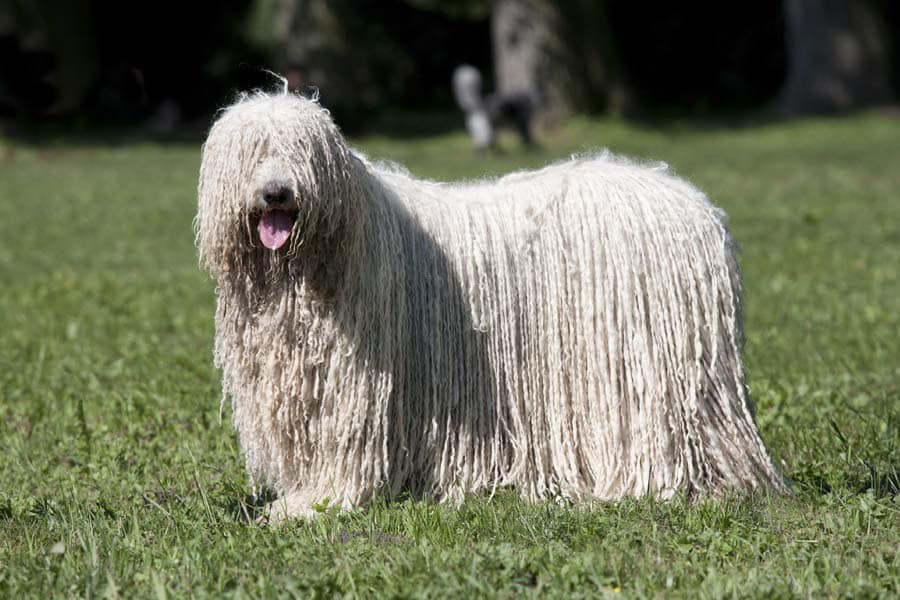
(89, 61)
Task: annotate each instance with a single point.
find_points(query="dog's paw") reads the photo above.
(288, 507)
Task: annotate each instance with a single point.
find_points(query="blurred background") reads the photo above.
(167, 66)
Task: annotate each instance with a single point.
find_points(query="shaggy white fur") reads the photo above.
(573, 331)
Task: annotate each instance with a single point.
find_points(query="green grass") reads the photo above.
(118, 480)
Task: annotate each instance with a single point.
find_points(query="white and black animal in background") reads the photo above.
(485, 114)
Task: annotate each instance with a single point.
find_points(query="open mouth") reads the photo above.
(275, 227)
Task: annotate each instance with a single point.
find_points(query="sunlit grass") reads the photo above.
(117, 478)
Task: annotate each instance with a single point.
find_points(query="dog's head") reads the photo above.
(277, 182)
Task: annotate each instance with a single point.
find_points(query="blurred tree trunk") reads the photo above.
(837, 57)
(531, 56)
(592, 38)
(562, 53)
(64, 31)
(344, 49)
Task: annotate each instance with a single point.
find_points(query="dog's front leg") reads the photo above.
(289, 506)
(301, 504)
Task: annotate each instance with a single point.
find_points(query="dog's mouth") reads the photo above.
(275, 227)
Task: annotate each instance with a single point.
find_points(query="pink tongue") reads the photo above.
(275, 228)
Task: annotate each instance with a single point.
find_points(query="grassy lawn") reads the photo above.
(117, 478)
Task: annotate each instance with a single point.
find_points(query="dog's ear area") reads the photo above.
(335, 224)
(226, 167)
(331, 177)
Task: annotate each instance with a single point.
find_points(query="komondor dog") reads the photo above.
(574, 332)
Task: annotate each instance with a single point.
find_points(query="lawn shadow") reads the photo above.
(83, 132)
(249, 508)
(680, 121)
(884, 483)
(47, 133)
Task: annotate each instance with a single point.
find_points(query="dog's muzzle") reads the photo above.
(275, 193)
(277, 218)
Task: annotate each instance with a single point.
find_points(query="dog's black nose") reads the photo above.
(275, 192)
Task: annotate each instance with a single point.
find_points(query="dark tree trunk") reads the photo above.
(592, 39)
(561, 52)
(837, 57)
(531, 56)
